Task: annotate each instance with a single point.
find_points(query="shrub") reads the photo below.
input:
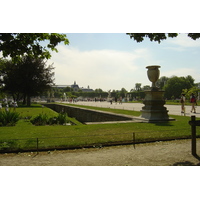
(52, 121)
(9, 118)
(62, 118)
(8, 145)
(41, 119)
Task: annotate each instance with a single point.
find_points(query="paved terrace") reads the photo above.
(173, 109)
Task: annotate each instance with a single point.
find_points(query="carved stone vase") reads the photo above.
(153, 74)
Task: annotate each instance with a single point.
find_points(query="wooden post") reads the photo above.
(193, 131)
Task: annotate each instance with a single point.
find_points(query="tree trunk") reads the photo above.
(28, 100)
(24, 100)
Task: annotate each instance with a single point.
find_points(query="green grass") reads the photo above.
(81, 135)
(34, 111)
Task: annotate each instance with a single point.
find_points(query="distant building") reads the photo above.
(75, 87)
(87, 89)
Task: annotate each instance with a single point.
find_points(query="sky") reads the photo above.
(112, 61)
(100, 54)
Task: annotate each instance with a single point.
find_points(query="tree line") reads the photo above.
(25, 74)
(173, 86)
(31, 77)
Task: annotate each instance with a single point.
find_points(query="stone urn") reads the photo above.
(153, 74)
(153, 109)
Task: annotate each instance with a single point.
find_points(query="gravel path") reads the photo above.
(173, 153)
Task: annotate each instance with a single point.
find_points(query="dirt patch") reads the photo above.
(173, 153)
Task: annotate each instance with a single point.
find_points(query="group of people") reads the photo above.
(193, 102)
(12, 104)
(116, 100)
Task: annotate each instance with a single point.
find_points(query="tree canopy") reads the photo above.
(27, 78)
(158, 37)
(175, 85)
(19, 44)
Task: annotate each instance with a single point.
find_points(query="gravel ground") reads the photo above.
(173, 153)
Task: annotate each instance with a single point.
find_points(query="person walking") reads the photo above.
(193, 102)
(182, 103)
(115, 100)
(120, 100)
(15, 105)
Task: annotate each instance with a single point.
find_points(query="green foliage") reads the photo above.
(175, 85)
(9, 118)
(122, 93)
(161, 82)
(158, 37)
(37, 78)
(188, 92)
(18, 44)
(43, 119)
(9, 144)
(138, 86)
(62, 118)
(137, 94)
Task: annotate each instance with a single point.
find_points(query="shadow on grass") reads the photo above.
(163, 124)
(32, 106)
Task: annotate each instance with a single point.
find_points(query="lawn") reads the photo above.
(25, 136)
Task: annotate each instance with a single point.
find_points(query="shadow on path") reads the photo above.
(188, 163)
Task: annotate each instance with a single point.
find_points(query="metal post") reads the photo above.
(193, 131)
(134, 140)
(37, 145)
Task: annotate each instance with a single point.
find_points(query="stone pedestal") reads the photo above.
(154, 110)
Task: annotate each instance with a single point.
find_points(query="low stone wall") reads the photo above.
(87, 115)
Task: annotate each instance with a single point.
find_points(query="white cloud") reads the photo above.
(182, 40)
(105, 69)
(183, 72)
(179, 72)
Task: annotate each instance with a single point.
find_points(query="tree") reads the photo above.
(138, 86)
(98, 90)
(161, 82)
(175, 86)
(19, 44)
(146, 87)
(123, 92)
(195, 90)
(67, 89)
(139, 37)
(27, 78)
